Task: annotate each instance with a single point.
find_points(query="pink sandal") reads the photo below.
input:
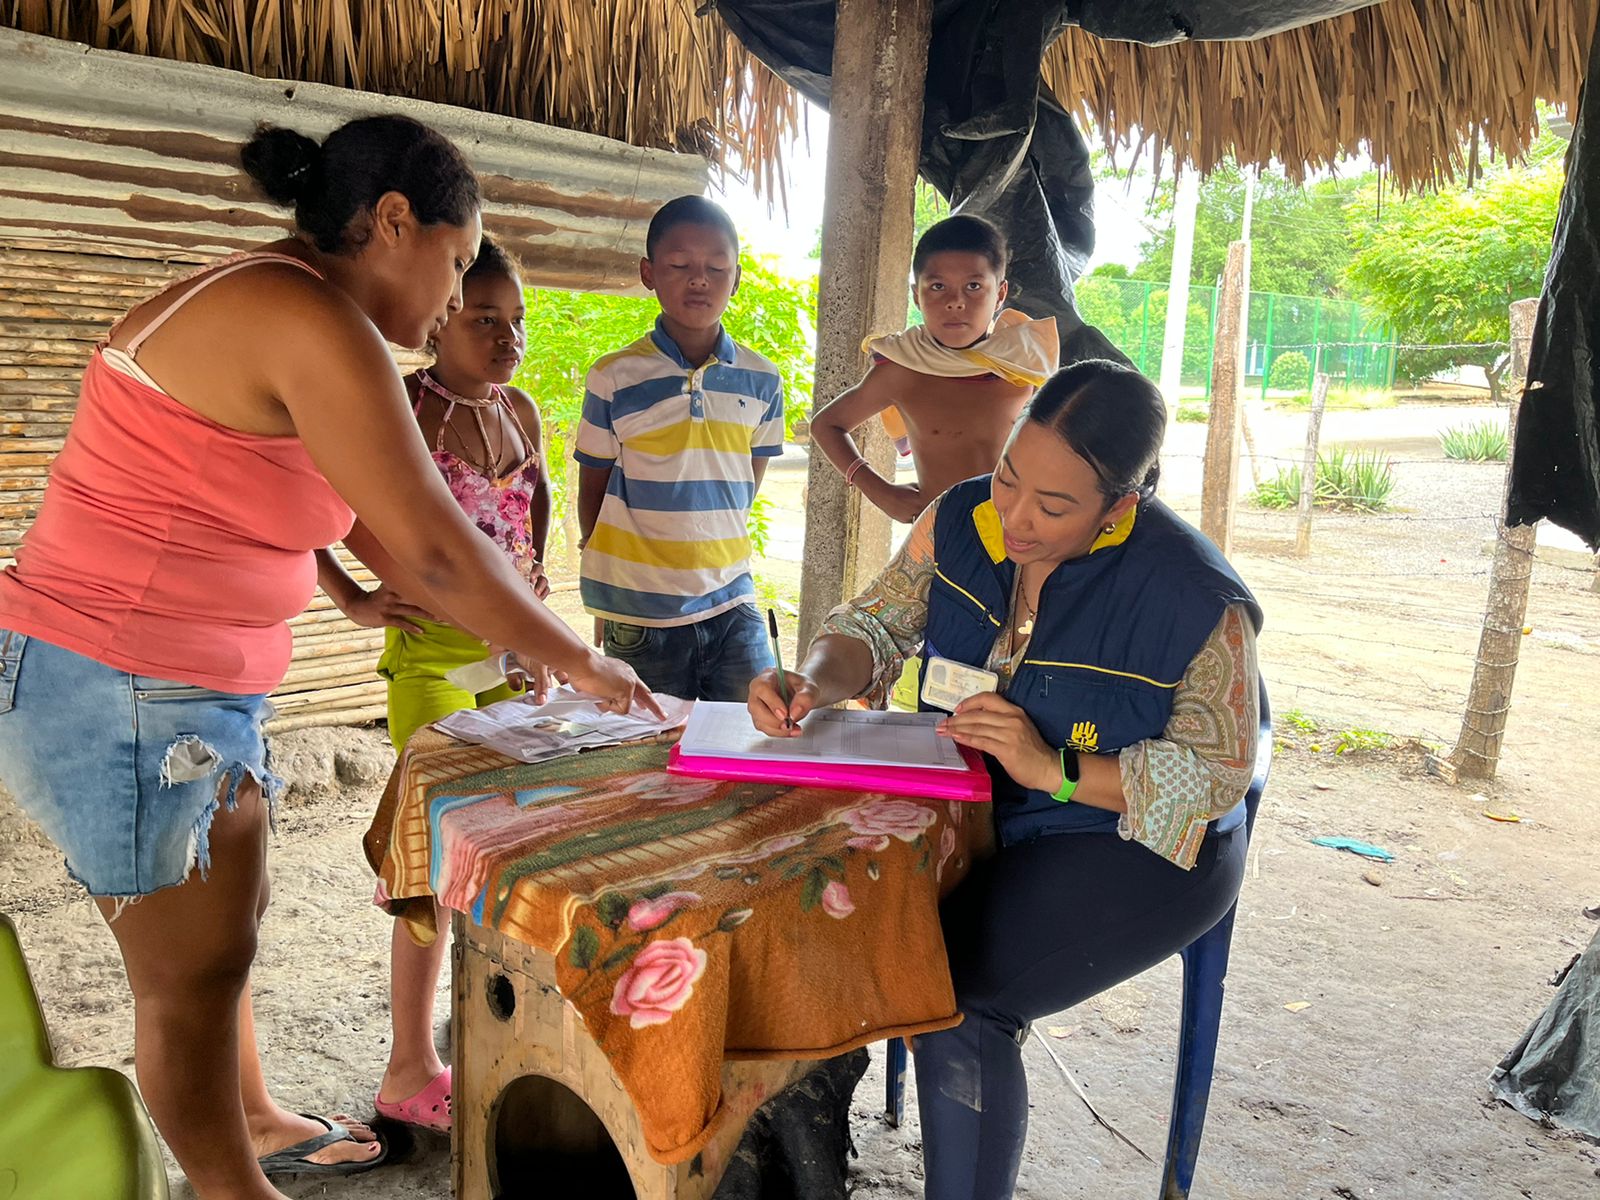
(428, 1109)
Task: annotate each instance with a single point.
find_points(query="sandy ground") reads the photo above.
(1418, 974)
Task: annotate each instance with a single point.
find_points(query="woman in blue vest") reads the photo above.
(1121, 740)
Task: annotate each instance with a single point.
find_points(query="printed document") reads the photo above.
(565, 724)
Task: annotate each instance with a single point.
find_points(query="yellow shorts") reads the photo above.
(415, 666)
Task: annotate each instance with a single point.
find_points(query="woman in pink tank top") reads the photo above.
(226, 430)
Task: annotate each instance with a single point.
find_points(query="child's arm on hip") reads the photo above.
(833, 424)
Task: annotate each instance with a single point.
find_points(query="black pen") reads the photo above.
(777, 653)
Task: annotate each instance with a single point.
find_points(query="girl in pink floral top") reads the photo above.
(486, 443)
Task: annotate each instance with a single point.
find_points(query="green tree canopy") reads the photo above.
(1300, 236)
(1444, 267)
(772, 314)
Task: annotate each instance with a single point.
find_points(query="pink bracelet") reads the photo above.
(851, 471)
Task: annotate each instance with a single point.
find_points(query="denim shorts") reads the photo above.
(123, 772)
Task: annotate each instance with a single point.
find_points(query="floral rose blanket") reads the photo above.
(692, 920)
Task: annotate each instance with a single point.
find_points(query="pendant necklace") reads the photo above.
(1022, 630)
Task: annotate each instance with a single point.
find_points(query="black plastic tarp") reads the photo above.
(996, 142)
(1555, 471)
(1553, 1074)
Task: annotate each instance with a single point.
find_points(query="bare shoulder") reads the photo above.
(527, 411)
(884, 383)
(285, 297)
(523, 403)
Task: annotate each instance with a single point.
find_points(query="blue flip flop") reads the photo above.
(296, 1159)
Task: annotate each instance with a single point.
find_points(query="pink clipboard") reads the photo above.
(971, 784)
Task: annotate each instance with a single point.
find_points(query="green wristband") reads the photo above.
(1069, 775)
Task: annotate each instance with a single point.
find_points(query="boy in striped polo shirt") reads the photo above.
(676, 432)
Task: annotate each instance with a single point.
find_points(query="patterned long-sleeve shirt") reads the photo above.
(1198, 769)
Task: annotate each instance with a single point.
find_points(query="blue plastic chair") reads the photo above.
(1205, 966)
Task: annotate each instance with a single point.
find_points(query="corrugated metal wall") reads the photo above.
(118, 174)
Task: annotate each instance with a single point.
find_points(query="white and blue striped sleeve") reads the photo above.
(767, 440)
(596, 444)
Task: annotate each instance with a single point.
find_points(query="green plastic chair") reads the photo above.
(81, 1133)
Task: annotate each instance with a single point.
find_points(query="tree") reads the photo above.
(1444, 267)
(1300, 236)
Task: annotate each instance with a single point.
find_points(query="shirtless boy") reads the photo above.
(957, 381)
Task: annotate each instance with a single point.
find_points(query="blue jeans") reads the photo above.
(714, 659)
(123, 772)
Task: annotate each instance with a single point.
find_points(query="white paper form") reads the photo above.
(846, 736)
(565, 724)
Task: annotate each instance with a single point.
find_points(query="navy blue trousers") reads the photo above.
(1042, 926)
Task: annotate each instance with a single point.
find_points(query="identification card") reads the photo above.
(946, 684)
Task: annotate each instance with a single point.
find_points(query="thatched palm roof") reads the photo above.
(1408, 81)
(646, 72)
(1423, 86)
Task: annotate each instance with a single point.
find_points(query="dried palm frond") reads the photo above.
(1408, 82)
(647, 72)
(1418, 85)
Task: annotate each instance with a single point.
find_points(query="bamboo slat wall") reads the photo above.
(54, 306)
(119, 173)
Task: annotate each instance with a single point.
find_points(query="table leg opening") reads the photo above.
(545, 1138)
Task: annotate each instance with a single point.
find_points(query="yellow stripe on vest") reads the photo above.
(965, 593)
(1040, 662)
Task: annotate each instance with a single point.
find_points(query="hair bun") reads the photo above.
(280, 161)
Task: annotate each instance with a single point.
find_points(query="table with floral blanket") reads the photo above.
(691, 920)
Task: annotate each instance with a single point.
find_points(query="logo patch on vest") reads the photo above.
(1085, 736)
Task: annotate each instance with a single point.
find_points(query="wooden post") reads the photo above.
(880, 56)
(1219, 484)
(1308, 470)
(1477, 750)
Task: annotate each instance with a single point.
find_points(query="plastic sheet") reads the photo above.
(797, 1146)
(1555, 471)
(995, 142)
(1553, 1074)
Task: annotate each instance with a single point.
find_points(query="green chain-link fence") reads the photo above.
(1357, 349)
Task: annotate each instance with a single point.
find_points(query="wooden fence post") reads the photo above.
(880, 56)
(1477, 749)
(1219, 485)
(1308, 469)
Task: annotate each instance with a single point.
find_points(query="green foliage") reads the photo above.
(1357, 481)
(1443, 267)
(1348, 740)
(1482, 441)
(1291, 371)
(1299, 236)
(1297, 720)
(760, 524)
(1133, 314)
(929, 208)
(568, 331)
(1193, 413)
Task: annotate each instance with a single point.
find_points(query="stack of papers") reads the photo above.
(846, 750)
(566, 723)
